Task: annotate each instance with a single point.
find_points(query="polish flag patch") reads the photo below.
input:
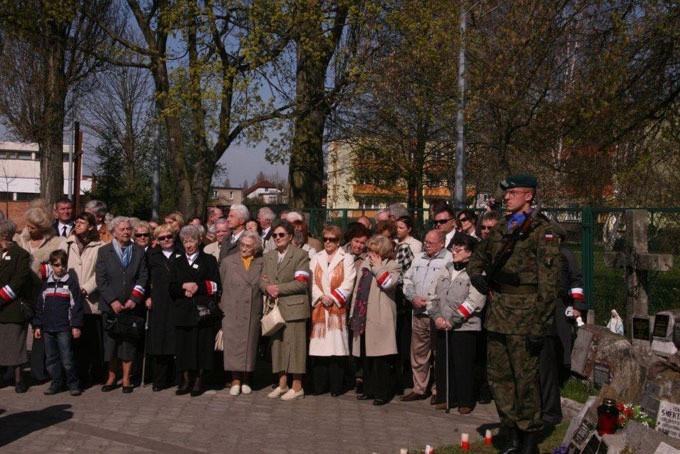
(339, 296)
(302, 276)
(549, 237)
(466, 309)
(385, 280)
(7, 294)
(211, 287)
(577, 294)
(138, 291)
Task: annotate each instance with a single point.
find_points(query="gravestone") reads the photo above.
(666, 334)
(637, 261)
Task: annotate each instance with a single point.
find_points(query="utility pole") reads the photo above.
(459, 194)
(77, 164)
(156, 174)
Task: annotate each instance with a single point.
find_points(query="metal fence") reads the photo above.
(590, 233)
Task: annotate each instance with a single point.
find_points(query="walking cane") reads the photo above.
(446, 331)
(146, 329)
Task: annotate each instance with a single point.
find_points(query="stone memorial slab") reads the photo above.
(650, 397)
(668, 419)
(582, 424)
(643, 439)
(661, 324)
(641, 327)
(601, 374)
(676, 335)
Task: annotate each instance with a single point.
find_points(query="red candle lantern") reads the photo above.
(607, 417)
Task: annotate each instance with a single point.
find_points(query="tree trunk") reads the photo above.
(306, 169)
(52, 137)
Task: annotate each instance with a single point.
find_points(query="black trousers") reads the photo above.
(88, 350)
(549, 366)
(462, 348)
(163, 369)
(328, 373)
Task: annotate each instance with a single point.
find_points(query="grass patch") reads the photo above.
(578, 390)
(552, 438)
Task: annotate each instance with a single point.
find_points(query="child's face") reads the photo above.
(58, 268)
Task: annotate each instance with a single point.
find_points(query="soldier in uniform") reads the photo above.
(521, 261)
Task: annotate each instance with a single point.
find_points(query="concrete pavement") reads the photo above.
(216, 422)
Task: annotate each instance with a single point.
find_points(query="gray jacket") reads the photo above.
(454, 299)
(419, 279)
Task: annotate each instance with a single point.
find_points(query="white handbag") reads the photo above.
(272, 320)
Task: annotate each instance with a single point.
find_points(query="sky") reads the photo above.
(244, 161)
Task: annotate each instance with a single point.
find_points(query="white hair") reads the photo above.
(267, 213)
(242, 210)
(113, 225)
(294, 216)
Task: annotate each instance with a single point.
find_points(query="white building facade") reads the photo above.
(20, 172)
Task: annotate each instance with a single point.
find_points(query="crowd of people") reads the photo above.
(370, 308)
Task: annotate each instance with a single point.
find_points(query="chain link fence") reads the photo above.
(591, 232)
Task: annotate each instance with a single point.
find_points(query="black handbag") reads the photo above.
(124, 324)
(27, 310)
(209, 312)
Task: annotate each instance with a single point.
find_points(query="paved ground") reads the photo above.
(145, 421)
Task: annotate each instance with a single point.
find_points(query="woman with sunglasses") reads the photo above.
(141, 234)
(285, 276)
(333, 276)
(160, 338)
(83, 246)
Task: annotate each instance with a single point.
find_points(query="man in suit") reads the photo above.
(63, 217)
(265, 217)
(122, 276)
(445, 221)
(236, 221)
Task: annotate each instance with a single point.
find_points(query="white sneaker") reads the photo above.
(235, 390)
(292, 395)
(245, 389)
(277, 392)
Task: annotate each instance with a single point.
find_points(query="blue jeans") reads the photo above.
(60, 359)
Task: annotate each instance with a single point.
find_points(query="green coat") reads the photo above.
(15, 274)
(529, 308)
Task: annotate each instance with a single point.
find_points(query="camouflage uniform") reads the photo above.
(518, 318)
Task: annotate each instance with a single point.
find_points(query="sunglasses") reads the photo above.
(142, 235)
(463, 219)
(58, 265)
(441, 221)
(164, 237)
(486, 227)
(329, 240)
(279, 235)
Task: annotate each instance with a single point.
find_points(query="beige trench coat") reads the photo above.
(381, 312)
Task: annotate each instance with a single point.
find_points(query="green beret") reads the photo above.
(520, 180)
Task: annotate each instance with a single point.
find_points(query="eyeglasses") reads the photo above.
(514, 192)
(463, 219)
(279, 235)
(329, 240)
(441, 221)
(458, 247)
(142, 235)
(58, 265)
(487, 227)
(164, 237)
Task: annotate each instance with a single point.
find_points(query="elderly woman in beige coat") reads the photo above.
(39, 239)
(242, 306)
(374, 320)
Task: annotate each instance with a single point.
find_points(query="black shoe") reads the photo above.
(196, 392)
(335, 394)
(379, 402)
(364, 397)
(359, 387)
(75, 392)
(530, 442)
(155, 388)
(20, 387)
(128, 389)
(514, 443)
(182, 391)
(108, 388)
(51, 391)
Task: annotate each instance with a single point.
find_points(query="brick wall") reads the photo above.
(15, 212)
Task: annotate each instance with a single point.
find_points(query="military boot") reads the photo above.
(514, 442)
(530, 442)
